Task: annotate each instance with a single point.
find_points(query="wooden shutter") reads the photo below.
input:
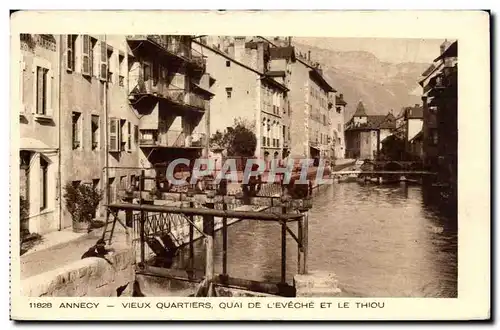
(129, 136)
(104, 62)
(86, 67)
(39, 90)
(70, 53)
(114, 125)
(136, 134)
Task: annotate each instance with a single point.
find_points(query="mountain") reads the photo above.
(360, 75)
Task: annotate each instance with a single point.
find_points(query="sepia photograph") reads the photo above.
(226, 165)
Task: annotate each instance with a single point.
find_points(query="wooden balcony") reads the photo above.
(195, 100)
(171, 139)
(163, 45)
(173, 46)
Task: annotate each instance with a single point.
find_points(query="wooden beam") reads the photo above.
(247, 215)
(384, 172)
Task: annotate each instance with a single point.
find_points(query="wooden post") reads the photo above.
(300, 248)
(224, 242)
(208, 230)
(283, 249)
(191, 239)
(143, 220)
(305, 241)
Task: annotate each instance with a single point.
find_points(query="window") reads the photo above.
(104, 64)
(43, 183)
(229, 91)
(76, 183)
(228, 64)
(434, 136)
(70, 52)
(121, 64)
(110, 67)
(136, 135)
(95, 131)
(114, 135)
(129, 136)
(76, 130)
(86, 66)
(263, 140)
(146, 71)
(94, 69)
(42, 92)
(122, 133)
(95, 183)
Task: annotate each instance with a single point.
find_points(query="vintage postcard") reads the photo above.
(265, 165)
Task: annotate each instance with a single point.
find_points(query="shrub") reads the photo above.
(82, 201)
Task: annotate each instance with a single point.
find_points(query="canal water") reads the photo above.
(380, 241)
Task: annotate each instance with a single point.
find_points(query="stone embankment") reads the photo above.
(90, 277)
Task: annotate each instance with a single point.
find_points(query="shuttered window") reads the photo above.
(86, 66)
(114, 135)
(41, 91)
(104, 62)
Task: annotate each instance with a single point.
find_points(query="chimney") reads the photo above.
(239, 48)
(309, 55)
(444, 45)
(289, 41)
(341, 96)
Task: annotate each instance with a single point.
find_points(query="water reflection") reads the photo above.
(381, 241)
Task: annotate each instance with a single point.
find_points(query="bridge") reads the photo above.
(390, 165)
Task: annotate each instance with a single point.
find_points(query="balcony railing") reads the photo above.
(172, 139)
(173, 93)
(171, 44)
(197, 101)
(174, 45)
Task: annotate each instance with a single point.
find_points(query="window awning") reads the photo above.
(35, 145)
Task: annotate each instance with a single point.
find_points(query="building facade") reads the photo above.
(40, 140)
(311, 104)
(440, 115)
(98, 122)
(365, 133)
(244, 91)
(169, 90)
(338, 121)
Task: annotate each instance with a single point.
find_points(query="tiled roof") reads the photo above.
(375, 122)
(451, 51)
(360, 110)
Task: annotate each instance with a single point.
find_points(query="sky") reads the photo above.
(387, 50)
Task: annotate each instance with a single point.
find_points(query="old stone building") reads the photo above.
(245, 90)
(440, 125)
(94, 102)
(338, 120)
(365, 133)
(169, 90)
(39, 118)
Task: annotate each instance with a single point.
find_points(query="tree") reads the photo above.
(238, 140)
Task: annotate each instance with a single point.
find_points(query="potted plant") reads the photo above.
(82, 202)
